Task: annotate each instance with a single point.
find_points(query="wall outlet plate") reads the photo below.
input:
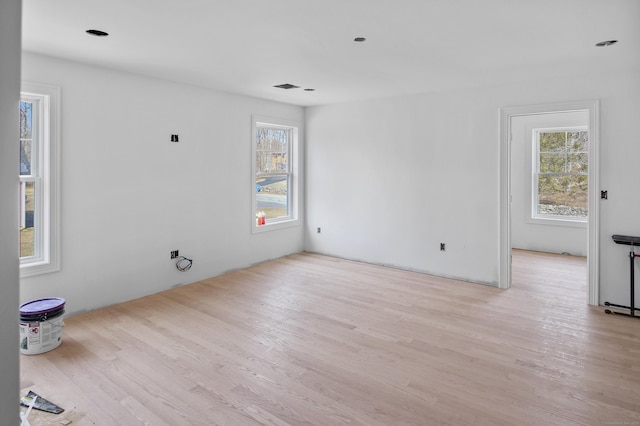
(174, 254)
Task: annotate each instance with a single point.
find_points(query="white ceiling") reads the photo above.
(413, 46)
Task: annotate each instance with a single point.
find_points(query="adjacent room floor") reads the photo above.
(316, 340)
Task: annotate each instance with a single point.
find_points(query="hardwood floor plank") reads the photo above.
(315, 340)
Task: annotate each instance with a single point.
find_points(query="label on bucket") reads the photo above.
(34, 333)
(39, 337)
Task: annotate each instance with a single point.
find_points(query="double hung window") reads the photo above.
(275, 169)
(560, 174)
(38, 180)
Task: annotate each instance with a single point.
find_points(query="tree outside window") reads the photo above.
(561, 174)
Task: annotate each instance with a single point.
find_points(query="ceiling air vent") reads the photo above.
(606, 43)
(97, 33)
(287, 86)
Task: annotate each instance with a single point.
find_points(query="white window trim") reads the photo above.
(531, 204)
(48, 259)
(294, 186)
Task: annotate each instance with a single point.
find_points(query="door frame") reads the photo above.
(593, 245)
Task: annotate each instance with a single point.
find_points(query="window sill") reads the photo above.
(255, 229)
(37, 268)
(559, 221)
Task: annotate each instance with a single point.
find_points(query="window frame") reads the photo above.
(294, 174)
(533, 161)
(46, 257)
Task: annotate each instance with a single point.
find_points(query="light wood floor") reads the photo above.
(314, 340)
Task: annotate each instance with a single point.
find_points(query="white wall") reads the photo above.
(556, 238)
(388, 180)
(129, 196)
(9, 92)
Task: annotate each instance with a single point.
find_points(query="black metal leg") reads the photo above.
(632, 301)
(632, 257)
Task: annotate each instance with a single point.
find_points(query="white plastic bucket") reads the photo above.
(41, 324)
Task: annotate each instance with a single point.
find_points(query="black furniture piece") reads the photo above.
(633, 242)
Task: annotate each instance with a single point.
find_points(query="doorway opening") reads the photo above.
(521, 130)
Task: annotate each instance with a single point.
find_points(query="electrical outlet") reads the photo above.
(174, 138)
(319, 230)
(174, 254)
(441, 246)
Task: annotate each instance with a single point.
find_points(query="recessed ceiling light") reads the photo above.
(359, 39)
(309, 90)
(606, 43)
(97, 33)
(287, 86)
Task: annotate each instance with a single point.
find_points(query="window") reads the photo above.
(275, 169)
(38, 180)
(560, 181)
